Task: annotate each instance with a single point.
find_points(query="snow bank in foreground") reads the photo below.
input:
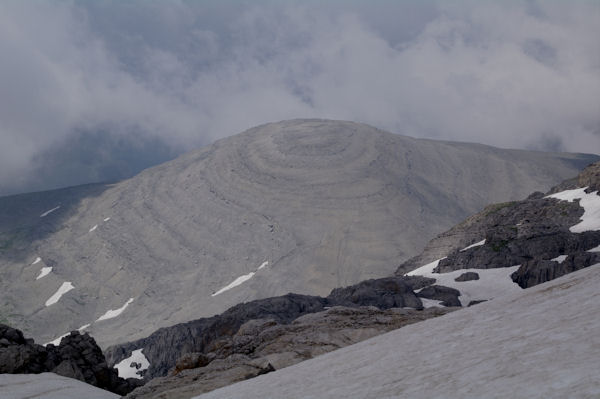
(64, 288)
(44, 272)
(590, 220)
(535, 343)
(125, 368)
(114, 313)
(492, 283)
(240, 280)
(48, 386)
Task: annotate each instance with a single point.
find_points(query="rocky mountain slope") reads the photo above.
(247, 340)
(536, 343)
(298, 206)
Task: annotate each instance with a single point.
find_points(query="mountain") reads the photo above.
(536, 343)
(550, 235)
(297, 206)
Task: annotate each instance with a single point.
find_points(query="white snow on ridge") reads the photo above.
(477, 244)
(492, 283)
(36, 261)
(83, 327)
(560, 258)
(106, 219)
(114, 313)
(125, 369)
(595, 249)
(49, 212)
(234, 283)
(93, 228)
(64, 288)
(536, 344)
(590, 220)
(44, 272)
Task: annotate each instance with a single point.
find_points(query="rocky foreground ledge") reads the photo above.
(76, 357)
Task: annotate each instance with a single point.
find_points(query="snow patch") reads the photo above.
(234, 283)
(56, 342)
(106, 219)
(240, 279)
(596, 249)
(36, 261)
(93, 228)
(590, 202)
(477, 244)
(264, 264)
(64, 288)
(114, 313)
(127, 370)
(44, 272)
(492, 283)
(431, 303)
(49, 212)
(559, 259)
(83, 327)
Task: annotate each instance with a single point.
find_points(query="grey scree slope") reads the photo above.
(326, 203)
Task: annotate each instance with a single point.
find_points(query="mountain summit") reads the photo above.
(297, 206)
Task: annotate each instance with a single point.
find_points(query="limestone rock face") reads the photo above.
(299, 206)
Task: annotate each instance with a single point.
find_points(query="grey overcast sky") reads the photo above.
(97, 90)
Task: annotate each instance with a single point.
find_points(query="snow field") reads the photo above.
(114, 313)
(492, 283)
(477, 244)
(240, 280)
(126, 370)
(44, 272)
(560, 258)
(64, 288)
(590, 202)
(49, 212)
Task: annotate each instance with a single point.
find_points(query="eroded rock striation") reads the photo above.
(299, 206)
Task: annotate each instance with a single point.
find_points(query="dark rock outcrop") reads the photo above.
(76, 357)
(448, 296)
(538, 271)
(528, 233)
(264, 345)
(164, 347)
(384, 293)
(468, 276)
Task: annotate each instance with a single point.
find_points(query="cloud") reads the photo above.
(161, 78)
